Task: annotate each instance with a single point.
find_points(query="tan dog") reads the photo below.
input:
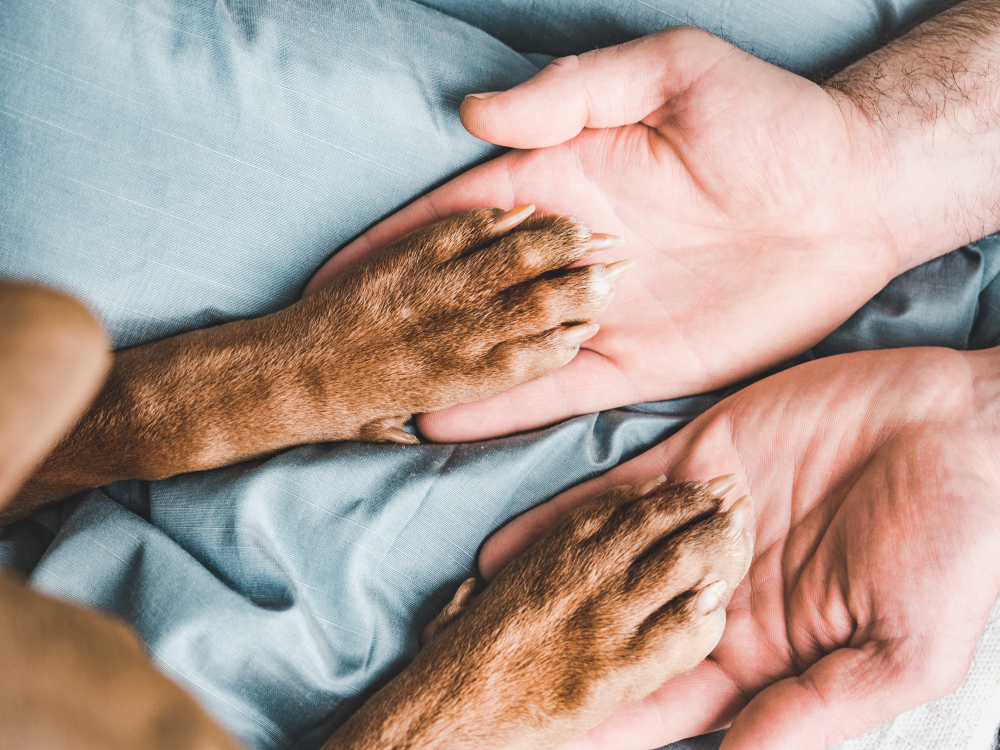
(624, 594)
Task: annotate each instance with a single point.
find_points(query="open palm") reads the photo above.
(738, 190)
(876, 521)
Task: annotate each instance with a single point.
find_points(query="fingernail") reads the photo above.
(709, 597)
(616, 270)
(600, 241)
(739, 513)
(482, 95)
(578, 334)
(721, 485)
(513, 217)
(650, 484)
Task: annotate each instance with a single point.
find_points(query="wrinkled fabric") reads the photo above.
(180, 163)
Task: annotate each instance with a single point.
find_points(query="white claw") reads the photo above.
(401, 436)
(615, 271)
(649, 485)
(576, 335)
(457, 603)
(739, 513)
(513, 217)
(709, 597)
(721, 485)
(600, 241)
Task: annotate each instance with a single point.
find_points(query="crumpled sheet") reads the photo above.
(179, 163)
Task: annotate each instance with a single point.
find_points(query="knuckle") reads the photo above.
(691, 38)
(574, 230)
(688, 500)
(586, 525)
(531, 254)
(596, 277)
(587, 288)
(595, 514)
(461, 231)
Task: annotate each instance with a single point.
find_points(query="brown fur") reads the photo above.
(600, 611)
(71, 679)
(453, 313)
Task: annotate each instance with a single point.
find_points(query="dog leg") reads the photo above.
(455, 312)
(624, 594)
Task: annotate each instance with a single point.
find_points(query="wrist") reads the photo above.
(929, 190)
(924, 114)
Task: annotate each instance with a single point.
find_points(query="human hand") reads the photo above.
(746, 195)
(876, 524)
(623, 593)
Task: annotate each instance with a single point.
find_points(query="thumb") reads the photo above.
(600, 89)
(840, 697)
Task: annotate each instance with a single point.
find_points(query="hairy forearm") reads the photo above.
(927, 107)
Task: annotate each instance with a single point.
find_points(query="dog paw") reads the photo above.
(460, 311)
(622, 595)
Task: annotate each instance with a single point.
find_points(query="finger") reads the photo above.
(522, 359)
(600, 89)
(841, 696)
(466, 231)
(572, 297)
(660, 527)
(715, 548)
(655, 517)
(499, 182)
(542, 238)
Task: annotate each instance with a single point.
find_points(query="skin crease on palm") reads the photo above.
(875, 505)
(777, 222)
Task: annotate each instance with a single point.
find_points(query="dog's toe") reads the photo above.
(388, 430)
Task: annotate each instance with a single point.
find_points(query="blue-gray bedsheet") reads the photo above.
(180, 163)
